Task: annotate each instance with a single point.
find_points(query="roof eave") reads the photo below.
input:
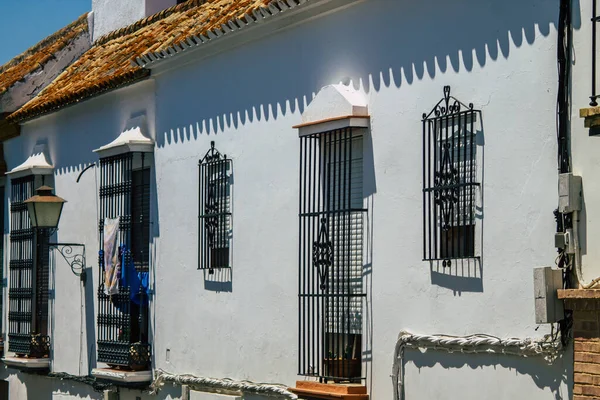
(232, 28)
(19, 117)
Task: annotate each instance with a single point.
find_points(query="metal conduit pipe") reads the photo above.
(548, 347)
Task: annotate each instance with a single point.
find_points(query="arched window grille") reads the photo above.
(214, 207)
(450, 180)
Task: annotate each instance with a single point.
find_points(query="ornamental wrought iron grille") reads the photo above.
(449, 180)
(323, 254)
(331, 214)
(29, 277)
(214, 208)
(123, 301)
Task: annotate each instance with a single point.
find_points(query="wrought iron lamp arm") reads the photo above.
(75, 259)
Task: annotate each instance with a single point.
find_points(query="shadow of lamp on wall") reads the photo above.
(45, 209)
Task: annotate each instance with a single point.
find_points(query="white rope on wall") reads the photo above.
(221, 385)
(548, 347)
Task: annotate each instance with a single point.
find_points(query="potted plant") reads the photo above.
(344, 367)
(139, 356)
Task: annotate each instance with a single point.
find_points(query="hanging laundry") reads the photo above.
(138, 282)
(111, 256)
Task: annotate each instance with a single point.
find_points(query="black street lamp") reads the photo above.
(44, 211)
(44, 208)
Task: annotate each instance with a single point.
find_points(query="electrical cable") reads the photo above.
(85, 169)
(564, 72)
(548, 347)
(221, 384)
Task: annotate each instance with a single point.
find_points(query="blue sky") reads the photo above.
(23, 23)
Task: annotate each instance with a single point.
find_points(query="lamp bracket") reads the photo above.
(74, 255)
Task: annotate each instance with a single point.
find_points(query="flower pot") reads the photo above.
(340, 369)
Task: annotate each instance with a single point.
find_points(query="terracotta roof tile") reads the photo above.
(36, 56)
(109, 63)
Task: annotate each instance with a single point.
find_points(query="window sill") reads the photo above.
(315, 390)
(24, 363)
(121, 376)
(591, 116)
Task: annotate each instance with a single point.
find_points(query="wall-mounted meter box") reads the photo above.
(569, 193)
(546, 282)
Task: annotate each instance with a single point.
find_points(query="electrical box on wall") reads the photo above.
(564, 241)
(569, 193)
(546, 282)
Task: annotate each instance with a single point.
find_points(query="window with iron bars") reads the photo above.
(331, 256)
(29, 277)
(449, 181)
(214, 231)
(123, 282)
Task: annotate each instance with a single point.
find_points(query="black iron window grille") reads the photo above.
(123, 301)
(214, 231)
(450, 181)
(331, 256)
(29, 277)
(2, 280)
(140, 218)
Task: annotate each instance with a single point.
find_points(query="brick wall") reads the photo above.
(586, 334)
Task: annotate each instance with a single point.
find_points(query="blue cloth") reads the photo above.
(138, 282)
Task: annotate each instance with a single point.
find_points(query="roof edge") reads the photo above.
(113, 83)
(274, 8)
(44, 42)
(145, 60)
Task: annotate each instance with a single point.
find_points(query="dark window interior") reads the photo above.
(458, 242)
(140, 219)
(3, 390)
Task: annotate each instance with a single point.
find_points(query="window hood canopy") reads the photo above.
(36, 164)
(335, 107)
(132, 139)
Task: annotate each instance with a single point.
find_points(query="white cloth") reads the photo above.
(112, 267)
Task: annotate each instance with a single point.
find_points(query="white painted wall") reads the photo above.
(110, 15)
(27, 386)
(154, 6)
(498, 55)
(402, 63)
(35, 387)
